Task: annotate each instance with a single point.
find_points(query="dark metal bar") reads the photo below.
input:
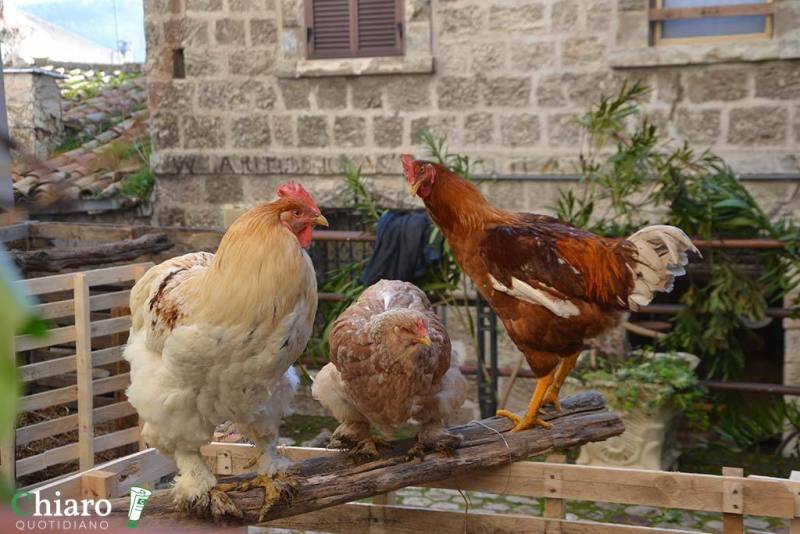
(493, 370)
(751, 387)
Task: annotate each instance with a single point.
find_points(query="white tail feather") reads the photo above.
(661, 257)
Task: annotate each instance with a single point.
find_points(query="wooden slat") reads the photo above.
(107, 355)
(115, 325)
(675, 13)
(66, 308)
(688, 491)
(66, 364)
(69, 452)
(116, 439)
(137, 469)
(60, 425)
(39, 370)
(364, 518)
(55, 336)
(96, 485)
(8, 445)
(14, 232)
(112, 383)
(83, 367)
(63, 282)
(732, 501)
(54, 456)
(70, 393)
(48, 398)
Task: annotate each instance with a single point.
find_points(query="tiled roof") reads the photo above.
(113, 120)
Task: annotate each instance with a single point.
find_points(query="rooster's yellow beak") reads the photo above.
(425, 340)
(415, 188)
(320, 220)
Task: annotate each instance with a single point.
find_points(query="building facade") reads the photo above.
(247, 93)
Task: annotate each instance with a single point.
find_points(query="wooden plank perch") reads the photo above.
(332, 480)
(57, 259)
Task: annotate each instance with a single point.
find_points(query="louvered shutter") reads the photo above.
(354, 28)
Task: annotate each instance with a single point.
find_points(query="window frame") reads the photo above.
(354, 52)
(657, 14)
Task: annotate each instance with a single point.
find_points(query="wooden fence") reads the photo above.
(731, 495)
(96, 304)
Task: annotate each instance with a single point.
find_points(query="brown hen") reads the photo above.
(390, 363)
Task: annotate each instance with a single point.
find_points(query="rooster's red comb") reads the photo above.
(293, 190)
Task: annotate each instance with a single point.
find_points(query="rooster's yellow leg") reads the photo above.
(531, 418)
(562, 372)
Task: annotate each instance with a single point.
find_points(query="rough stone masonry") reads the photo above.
(505, 80)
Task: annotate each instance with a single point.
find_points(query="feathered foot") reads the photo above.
(366, 450)
(277, 488)
(220, 505)
(195, 506)
(441, 441)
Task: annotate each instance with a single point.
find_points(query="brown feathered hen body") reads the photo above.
(390, 363)
(551, 284)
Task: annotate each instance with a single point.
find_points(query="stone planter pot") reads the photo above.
(649, 440)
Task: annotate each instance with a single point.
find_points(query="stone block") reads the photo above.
(488, 56)
(296, 93)
(203, 5)
(582, 50)
(717, 83)
(200, 131)
(523, 16)
(550, 92)
(758, 125)
(283, 130)
(438, 125)
(779, 80)
(251, 131)
(229, 31)
(633, 30)
(367, 92)
(263, 32)
(519, 130)
(506, 91)
(201, 63)
(699, 126)
(409, 92)
(312, 131)
(248, 62)
(632, 5)
(349, 131)
(185, 31)
(246, 6)
(453, 58)
(533, 56)
(599, 16)
(291, 13)
(387, 132)
(565, 14)
(479, 129)
(564, 129)
(588, 87)
(457, 92)
(460, 21)
(174, 95)
(331, 93)
(164, 131)
(224, 189)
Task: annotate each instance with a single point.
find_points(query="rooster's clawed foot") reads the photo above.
(521, 423)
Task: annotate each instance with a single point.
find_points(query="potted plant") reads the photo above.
(650, 390)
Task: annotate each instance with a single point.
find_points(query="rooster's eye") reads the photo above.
(297, 213)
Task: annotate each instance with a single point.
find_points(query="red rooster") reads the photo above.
(552, 285)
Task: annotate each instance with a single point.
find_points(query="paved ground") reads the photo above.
(442, 499)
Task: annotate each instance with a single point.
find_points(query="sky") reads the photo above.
(93, 19)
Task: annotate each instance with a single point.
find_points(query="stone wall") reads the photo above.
(33, 102)
(505, 80)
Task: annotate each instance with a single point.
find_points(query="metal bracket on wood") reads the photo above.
(732, 501)
(224, 463)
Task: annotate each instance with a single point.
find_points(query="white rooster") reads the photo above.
(213, 339)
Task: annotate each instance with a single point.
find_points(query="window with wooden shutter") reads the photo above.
(710, 21)
(354, 28)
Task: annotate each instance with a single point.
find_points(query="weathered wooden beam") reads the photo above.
(332, 480)
(57, 259)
